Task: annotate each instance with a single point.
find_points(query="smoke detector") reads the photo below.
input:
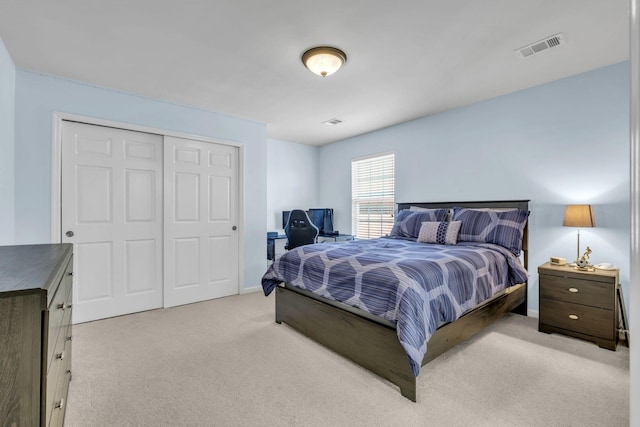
(539, 46)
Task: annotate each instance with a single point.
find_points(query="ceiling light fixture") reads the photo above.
(324, 60)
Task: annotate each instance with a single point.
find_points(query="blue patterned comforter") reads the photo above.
(417, 286)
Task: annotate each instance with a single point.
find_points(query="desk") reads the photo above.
(335, 238)
(275, 246)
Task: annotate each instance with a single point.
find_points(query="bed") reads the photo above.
(370, 335)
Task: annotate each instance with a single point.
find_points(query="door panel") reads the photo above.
(94, 280)
(140, 276)
(112, 203)
(140, 196)
(187, 197)
(220, 258)
(219, 189)
(187, 261)
(93, 188)
(201, 246)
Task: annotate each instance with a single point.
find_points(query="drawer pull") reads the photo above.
(59, 405)
(574, 290)
(70, 273)
(69, 338)
(573, 317)
(60, 356)
(62, 307)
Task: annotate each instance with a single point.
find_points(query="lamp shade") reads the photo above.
(324, 60)
(579, 216)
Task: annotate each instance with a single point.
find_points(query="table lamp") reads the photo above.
(579, 216)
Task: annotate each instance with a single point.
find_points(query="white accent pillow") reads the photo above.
(442, 232)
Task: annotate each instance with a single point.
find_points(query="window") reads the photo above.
(372, 196)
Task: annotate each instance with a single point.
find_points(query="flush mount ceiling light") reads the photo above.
(324, 60)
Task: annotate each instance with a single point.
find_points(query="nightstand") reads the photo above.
(581, 304)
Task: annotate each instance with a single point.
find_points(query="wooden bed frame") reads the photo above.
(374, 344)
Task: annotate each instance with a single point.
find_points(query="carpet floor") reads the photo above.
(226, 362)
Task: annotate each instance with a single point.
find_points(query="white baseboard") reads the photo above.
(533, 313)
(250, 290)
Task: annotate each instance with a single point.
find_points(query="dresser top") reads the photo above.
(31, 267)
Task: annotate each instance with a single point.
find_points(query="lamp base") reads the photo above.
(587, 268)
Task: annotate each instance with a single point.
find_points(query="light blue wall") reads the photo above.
(39, 96)
(7, 126)
(559, 143)
(291, 179)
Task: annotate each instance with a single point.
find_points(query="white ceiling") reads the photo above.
(406, 59)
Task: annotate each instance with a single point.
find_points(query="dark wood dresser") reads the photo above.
(35, 333)
(581, 304)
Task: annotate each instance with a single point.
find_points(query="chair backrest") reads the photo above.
(300, 230)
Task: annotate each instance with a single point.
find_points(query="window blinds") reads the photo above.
(372, 196)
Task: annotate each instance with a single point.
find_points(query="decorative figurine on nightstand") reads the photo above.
(582, 263)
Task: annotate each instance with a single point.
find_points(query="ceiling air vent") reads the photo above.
(539, 46)
(332, 122)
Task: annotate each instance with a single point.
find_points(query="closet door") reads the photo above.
(201, 217)
(111, 200)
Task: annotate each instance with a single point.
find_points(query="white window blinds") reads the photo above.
(372, 196)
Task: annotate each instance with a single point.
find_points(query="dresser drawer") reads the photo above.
(578, 291)
(596, 322)
(59, 315)
(57, 412)
(57, 369)
(57, 385)
(64, 333)
(53, 382)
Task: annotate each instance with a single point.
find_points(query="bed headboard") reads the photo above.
(500, 204)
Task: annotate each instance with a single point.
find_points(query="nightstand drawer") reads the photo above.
(586, 320)
(578, 291)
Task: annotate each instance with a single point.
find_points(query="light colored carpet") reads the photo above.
(227, 363)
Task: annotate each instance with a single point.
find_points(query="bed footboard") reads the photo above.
(375, 346)
(370, 345)
(451, 334)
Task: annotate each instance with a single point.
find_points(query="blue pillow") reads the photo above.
(408, 223)
(504, 228)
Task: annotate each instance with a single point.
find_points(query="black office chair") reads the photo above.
(300, 230)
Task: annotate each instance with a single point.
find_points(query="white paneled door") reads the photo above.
(200, 228)
(153, 219)
(112, 212)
